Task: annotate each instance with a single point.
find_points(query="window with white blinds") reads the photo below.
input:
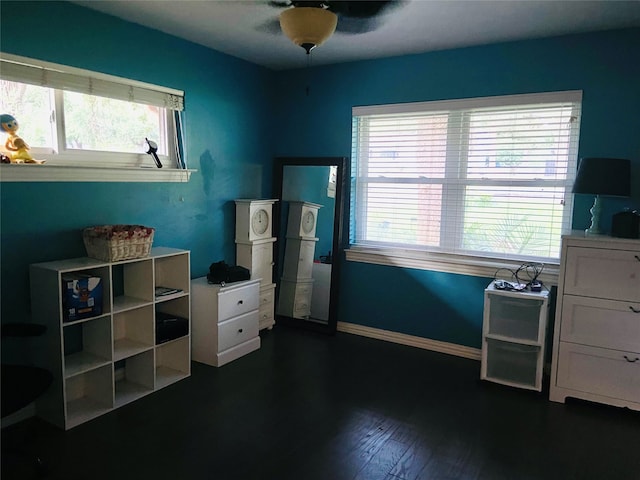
(488, 177)
(72, 117)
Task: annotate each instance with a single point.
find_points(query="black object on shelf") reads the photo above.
(170, 327)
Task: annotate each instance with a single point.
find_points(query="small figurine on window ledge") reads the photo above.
(18, 149)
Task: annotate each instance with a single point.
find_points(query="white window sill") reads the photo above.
(463, 265)
(65, 173)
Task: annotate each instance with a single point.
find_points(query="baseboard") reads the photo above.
(411, 340)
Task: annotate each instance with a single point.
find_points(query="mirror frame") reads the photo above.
(279, 165)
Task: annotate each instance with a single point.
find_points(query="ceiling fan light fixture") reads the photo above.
(308, 27)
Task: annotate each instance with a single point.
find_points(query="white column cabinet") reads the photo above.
(254, 250)
(296, 283)
(110, 359)
(596, 342)
(513, 337)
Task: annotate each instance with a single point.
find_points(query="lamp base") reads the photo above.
(594, 229)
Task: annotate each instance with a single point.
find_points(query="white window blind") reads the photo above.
(62, 77)
(487, 176)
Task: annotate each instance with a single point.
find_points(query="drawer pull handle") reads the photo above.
(637, 257)
(634, 310)
(240, 302)
(631, 361)
(240, 331)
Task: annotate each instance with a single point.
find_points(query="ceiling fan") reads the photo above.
(310, 23)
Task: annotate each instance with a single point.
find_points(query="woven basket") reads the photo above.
(113, 243)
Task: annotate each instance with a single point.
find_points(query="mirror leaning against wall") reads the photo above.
(308, 224)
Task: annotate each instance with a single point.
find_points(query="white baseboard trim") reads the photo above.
(411, 340)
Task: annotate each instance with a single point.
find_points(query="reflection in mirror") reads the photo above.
(308, 227)
(307, 241)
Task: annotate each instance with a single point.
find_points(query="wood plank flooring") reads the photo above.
(307, 406)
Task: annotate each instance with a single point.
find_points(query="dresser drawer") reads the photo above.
(512, 363)
(600, 323)
(519, 318)
(610, 373)
(266, 314)
(237, 330)
(266, 295)
(603, 273)
(236, 301)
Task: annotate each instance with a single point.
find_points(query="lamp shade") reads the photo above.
(604, 176)
(308, 27)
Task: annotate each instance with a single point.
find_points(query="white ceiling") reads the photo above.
(237, 27)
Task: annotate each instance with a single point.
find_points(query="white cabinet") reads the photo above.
(254, 250)
(119, 353)
(596, 346)
(225, 320)
(513, 337)
(296, 283)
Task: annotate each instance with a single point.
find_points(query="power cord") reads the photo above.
(523, 278)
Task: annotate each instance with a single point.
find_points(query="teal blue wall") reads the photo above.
(443, 306)
(229, 100)
(227, 103)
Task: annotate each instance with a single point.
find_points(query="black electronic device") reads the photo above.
(535, 286)
(626, 224)
(169, 327)
(221, 273)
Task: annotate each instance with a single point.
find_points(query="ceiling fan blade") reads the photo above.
(280, 4)
(362, 9)
(355, 26)
(270, 26)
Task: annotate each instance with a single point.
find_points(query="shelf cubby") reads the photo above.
(172, 361)
(169, 272)
(87, 345)
(133, 284)
(134, 378)
(89, 395)
(132, 332)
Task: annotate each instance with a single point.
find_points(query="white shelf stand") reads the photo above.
(513, 337)
(108, 360)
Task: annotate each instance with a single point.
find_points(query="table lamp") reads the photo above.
(602, 176)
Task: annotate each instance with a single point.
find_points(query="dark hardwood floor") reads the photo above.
(308, 406)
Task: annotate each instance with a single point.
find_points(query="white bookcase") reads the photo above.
(513, 337)
(105, 361)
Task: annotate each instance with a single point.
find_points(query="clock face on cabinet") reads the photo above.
(308, 222)
(260, 221)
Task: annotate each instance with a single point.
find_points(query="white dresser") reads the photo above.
(224, 320)
(596, 346)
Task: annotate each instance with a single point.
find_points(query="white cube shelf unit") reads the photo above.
(514, 329)
(105, 361)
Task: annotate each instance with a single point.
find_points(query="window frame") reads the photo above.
(64, 164)
(437, 259)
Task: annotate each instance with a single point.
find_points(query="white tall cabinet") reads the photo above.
(105, 361)
(296, 283)
(596, 345)
(254, 250)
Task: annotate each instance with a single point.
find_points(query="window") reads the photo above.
(73, 117)
(487, 177)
